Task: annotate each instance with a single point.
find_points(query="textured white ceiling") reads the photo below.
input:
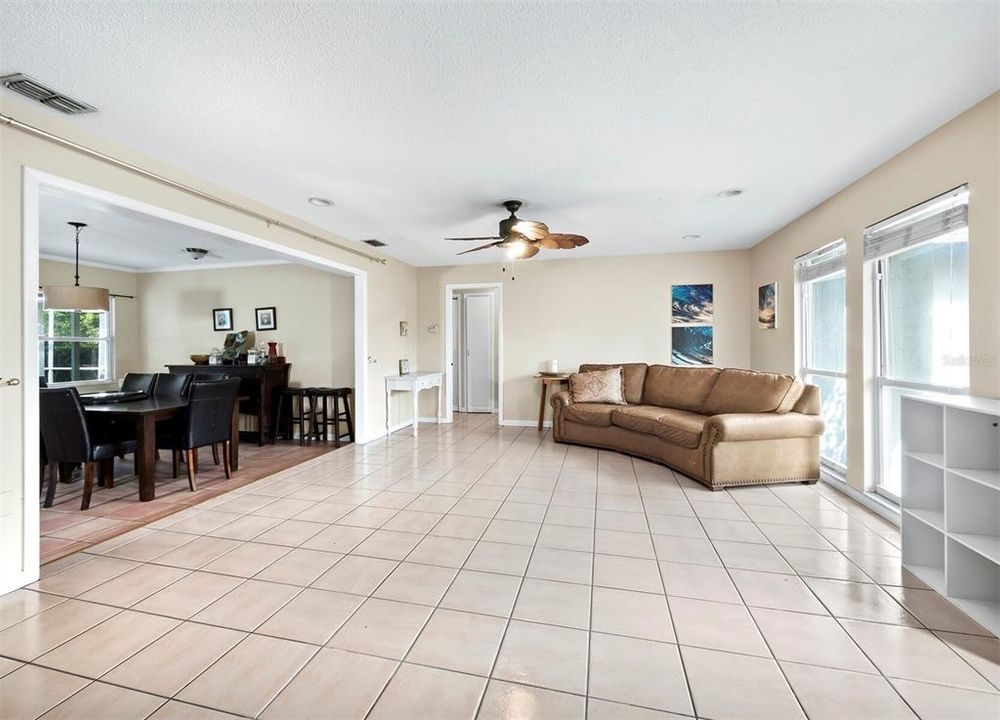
(122, 238)
(616, 121)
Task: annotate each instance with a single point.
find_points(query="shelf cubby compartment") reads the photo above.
(923, 491)
(974, 515)
(922, 430)
(924, 551)
(974, 584)
(972, 445)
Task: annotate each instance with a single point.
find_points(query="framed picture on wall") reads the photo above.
(767, 306)
(222, 318)
(692, 345)
(267, 318)
(692, 304)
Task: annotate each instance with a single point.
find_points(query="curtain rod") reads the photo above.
(45, 135)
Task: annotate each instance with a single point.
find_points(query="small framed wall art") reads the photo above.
(267, 318)
(222, 318)
(767, 306)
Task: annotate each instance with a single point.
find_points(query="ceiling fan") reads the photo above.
(523, 239)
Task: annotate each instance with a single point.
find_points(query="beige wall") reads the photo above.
(391, 287)
(315, 311)
(126, 330)
(589, 310)
(966, 150)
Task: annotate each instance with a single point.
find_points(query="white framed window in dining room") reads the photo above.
(821, 343)
(76, 346)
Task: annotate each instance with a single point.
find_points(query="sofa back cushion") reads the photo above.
(635, 375)
(678, 387)
(598, 386)
(747, 391)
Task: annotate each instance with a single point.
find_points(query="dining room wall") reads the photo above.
(314, 313)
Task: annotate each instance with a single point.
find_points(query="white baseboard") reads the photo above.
(525, 423)
(432, 420)
(869, 500)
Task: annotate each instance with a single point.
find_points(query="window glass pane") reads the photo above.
(927, 299)
(833, 445)
(825, 346)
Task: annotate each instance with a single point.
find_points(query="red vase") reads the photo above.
(272, 350)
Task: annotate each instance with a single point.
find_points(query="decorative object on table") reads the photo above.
(200, 359)
(253, 357)
(233, 347)
(215, 357)
(404, 328)
(692, 304)
(222, 319)
(522, 239)
(767, 306)
(272, 351)
(692, 345)
(598, 386)
(75, 296)
(404, 367)
(267, 318)
(550, 367)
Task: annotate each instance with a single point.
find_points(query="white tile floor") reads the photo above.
(491, 573)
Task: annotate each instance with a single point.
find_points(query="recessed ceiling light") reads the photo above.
(731, 193)
(690, 237)
(321, 202)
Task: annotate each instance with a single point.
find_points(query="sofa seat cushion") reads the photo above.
(641, 418)
(680, 427)
(598, 414)
(748, 391)
(678, 387)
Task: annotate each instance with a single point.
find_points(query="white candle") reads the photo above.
(552, 366)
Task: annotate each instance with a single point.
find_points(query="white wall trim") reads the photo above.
(449, 345)
(86, 263)
(32, 181)
(525, 423)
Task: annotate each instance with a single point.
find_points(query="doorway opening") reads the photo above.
(473, 337)
(175, 286)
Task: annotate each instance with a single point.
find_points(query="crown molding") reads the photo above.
(193, 266)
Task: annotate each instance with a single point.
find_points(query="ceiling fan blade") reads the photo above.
(481, 247)
(531, 229)
(568, 241)
(494, 237)
(529, 251)
(549, 243)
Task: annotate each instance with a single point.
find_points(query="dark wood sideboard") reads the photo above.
(258, 383)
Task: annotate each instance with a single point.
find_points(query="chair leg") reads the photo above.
(348, 418)
(225, 459)
(106, 473)
(190, 456)
(177, 460)
(325, 427)
(277, 419)
(88, 485)
(50, 493)
(336, 421)
(215, 453)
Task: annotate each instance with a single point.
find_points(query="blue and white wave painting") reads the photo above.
(692, 304)
(691, 345)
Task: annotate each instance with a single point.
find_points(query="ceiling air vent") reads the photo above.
(374, 243)
(31, 88)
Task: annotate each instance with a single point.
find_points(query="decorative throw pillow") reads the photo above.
(599, 386)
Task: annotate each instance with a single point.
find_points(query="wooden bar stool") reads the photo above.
(289, 418)
(335, 415)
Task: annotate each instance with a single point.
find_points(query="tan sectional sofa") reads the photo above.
(723, 427)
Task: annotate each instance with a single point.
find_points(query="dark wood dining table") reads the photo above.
(144, 414)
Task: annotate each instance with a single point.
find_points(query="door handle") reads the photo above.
(11, 382)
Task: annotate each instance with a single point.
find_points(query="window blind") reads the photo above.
(933, 219)
(821, 262)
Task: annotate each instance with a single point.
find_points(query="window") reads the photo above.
(920, 264)
(822, 344)
(74, 346)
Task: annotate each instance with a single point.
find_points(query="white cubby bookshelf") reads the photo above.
(951, 499)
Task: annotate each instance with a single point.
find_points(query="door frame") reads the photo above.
(32, 182)
(448, 333)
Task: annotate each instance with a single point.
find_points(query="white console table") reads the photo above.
(951, 499)
(413, 383)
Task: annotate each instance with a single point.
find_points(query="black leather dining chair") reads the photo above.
(138, 382)
(171, 386)
(206, 422)
(68, 439)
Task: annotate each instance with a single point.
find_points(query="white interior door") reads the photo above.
(478, 338)
(457, 352)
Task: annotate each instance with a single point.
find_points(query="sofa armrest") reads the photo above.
(560, 398)
(736, 427)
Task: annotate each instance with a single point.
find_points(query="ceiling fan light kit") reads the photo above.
(76, 297)
(522, 239)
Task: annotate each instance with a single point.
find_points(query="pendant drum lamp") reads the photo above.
(75, 297)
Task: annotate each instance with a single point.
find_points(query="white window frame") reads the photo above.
(804, 297)
(106, 347)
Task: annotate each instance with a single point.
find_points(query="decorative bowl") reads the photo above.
(199, 359)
